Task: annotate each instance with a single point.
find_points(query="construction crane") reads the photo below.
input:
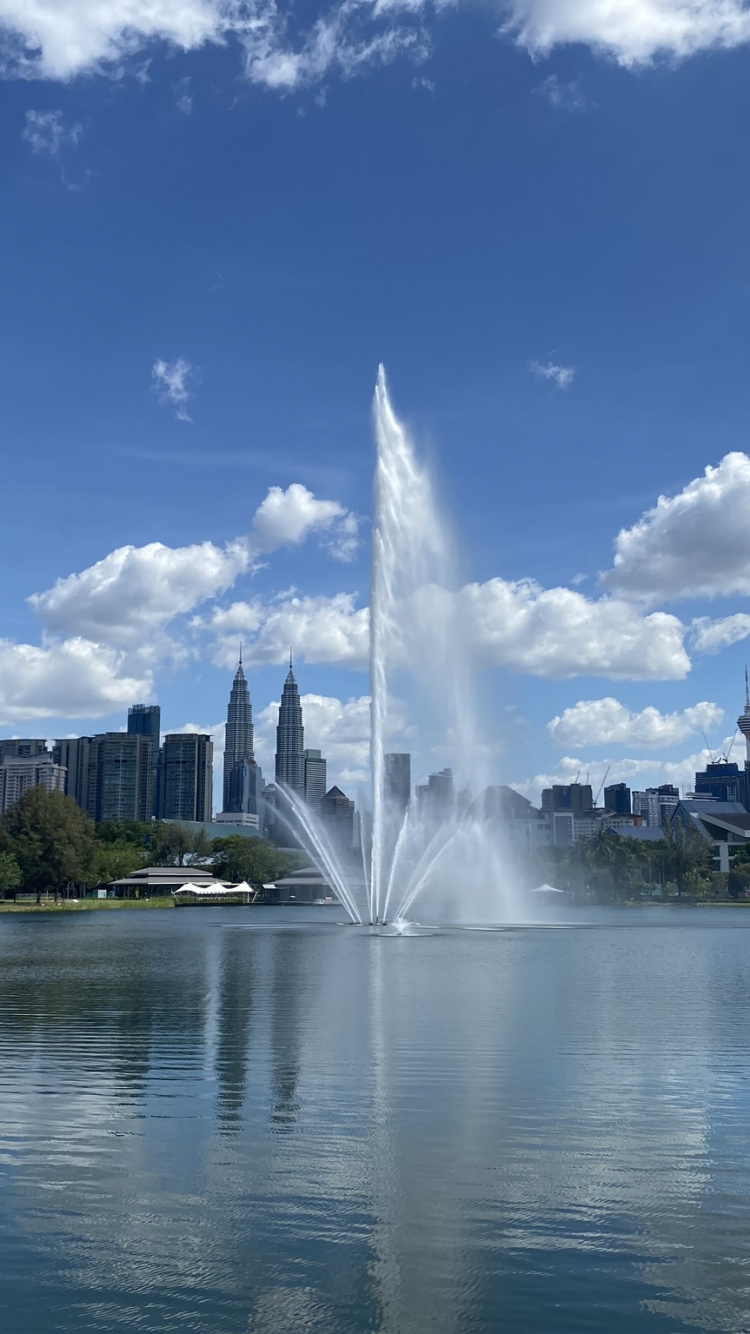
(601, 786)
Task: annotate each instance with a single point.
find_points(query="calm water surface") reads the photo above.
(238, 1121)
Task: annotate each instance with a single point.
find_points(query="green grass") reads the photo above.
(84, 905)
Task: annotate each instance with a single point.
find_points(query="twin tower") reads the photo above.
(240, 768)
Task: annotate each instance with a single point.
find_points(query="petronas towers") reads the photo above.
(239, 743)
(290, 738)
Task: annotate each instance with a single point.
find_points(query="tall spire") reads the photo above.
(290, 737)
(747, 690)
(238, 744)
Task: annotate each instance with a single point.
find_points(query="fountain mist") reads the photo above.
(440, 854)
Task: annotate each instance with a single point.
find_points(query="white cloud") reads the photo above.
(606, 722)
(70, 679)
(135, 591)
(695, 544)
(321, 629)
(339, 728)
(170, 383)
(46, 132)
(558, 632)
(633, 32)
(561, 376)
(554, 632)
(712, 636)
(59, 39)
(130, 596)
(563, 96)
(287, 518)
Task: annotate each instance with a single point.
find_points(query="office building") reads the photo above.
(145, 720)
(20, 774)
(656, 804)
(315, 779)
(337, 816)
(722, 780)
(617, 799)
(20, 748)
(246, 789)
(73, 754)
(573, 797)
(120, 777)
(239, 744)
(436, 798)
(397, 781)
(187, 776)
(290, 738)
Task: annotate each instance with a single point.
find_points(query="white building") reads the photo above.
(18, 775)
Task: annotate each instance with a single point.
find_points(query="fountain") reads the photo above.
(438, 855)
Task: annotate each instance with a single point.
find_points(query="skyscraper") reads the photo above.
(187, 776)
(290, 738)
(315, 779)
(398, 781)
(239, 742)
(120, 777)
(145, 720)
(73, 753)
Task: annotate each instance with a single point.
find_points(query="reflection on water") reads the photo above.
(295, 1127)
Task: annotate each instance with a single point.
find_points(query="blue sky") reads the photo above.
(216, 222)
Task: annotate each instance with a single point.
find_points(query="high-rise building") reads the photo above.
(20, 774)
(315, 779)
(617, 798)
(656, 804)
(120, 777)
(397, 781)
(19, 748)
(436, 798)
(290, 738)
(743, 722)
(246, 789)
(337, 814)
(145, 720)
(722, 780)
(574, 797)
(238, 733)
(187, 776)
(73, 753)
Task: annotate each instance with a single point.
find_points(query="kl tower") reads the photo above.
(743, 722)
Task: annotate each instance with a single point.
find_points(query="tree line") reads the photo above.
(613, 866)
(49, 845)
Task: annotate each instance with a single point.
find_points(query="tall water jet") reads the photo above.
(441, 855)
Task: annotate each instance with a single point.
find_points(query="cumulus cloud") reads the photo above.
(561, 377)
(70, 679)
(558, 632)
(546, 632)
(633, 32)
(170, 380)
(59, 39)
(321, 629)
(340, 728)
(287, 518)
(128, 598)
(135, 591)
(47, 132)
(713, 636)
(695, 544)
(605, 722)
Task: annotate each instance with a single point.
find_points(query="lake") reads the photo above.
(257, 1121)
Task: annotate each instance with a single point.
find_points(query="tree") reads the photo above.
(237, 858)
(10, 875)
(175, 844)
(51, 840)
(116, 860)
(686, 855)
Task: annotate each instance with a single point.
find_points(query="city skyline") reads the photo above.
(583, 398)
